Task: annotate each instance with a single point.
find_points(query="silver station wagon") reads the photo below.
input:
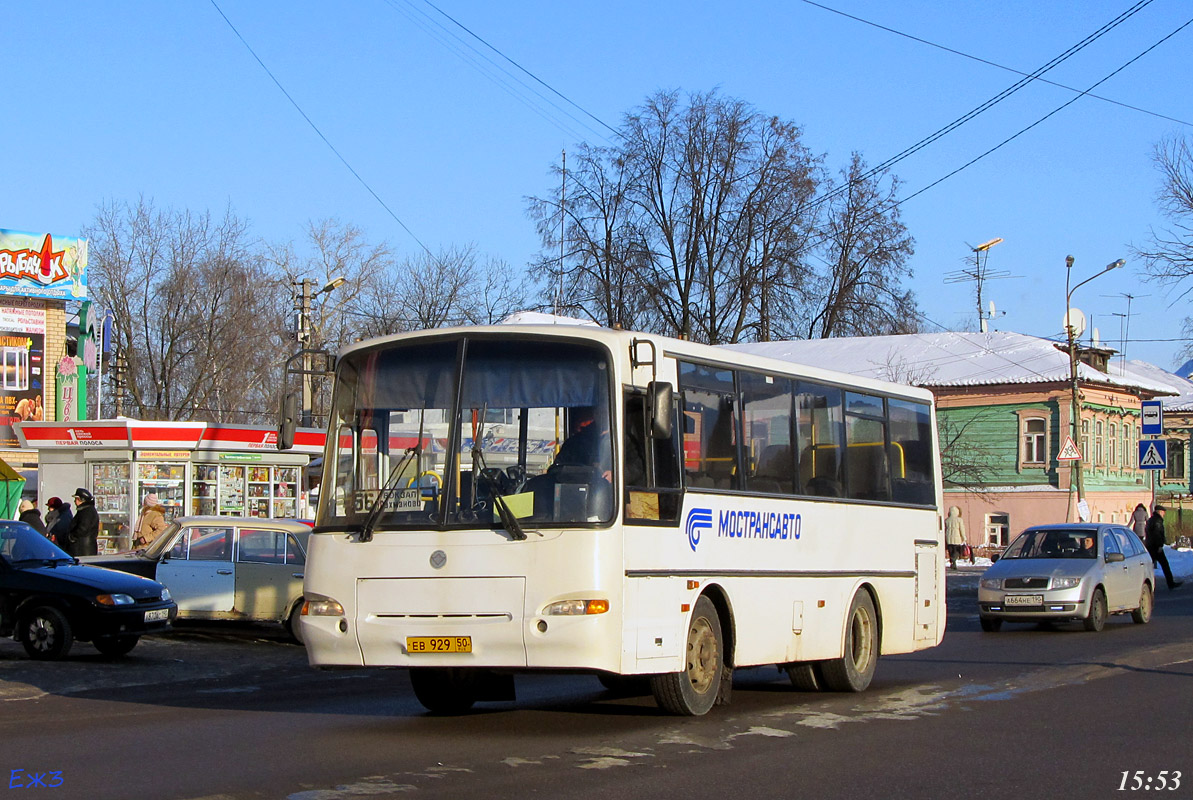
(1058, 573)
(226, 567)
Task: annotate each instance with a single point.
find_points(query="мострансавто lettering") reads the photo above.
(758, 525)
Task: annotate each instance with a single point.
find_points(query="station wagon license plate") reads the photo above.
(438, 644)
(1024, 600)
(160, 615)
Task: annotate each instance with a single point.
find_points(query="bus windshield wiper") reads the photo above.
(391, 483)
(508, 520)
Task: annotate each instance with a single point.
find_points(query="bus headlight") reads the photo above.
(576, 608)
(321, 607)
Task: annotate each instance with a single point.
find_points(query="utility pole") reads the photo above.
(304, 342)
(1078, 480)
(304, 298)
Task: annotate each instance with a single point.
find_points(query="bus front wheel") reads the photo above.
(444, 690)
(693, 692)
(853, 671)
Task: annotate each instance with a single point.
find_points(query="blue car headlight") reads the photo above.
(165, 594)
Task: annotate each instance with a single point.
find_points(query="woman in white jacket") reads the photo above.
(954, 535)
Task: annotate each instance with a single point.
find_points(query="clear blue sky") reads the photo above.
(115, 100)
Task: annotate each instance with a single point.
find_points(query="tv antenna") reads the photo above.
(1124, 324)
(979, 274)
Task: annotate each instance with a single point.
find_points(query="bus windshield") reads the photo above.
(443, 430)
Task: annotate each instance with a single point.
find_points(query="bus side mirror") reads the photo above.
(287, 421)
(659, 396)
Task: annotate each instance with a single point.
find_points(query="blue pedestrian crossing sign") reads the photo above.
(1153, 453)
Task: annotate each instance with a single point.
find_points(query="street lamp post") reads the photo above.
(1077, 479)
(305, 296)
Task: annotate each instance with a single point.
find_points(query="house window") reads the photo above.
(1085, 438)
(1126, 445)
(1175, 470)
(1034, 441)
(998, 529)
(1112, 445)
(1098, 442)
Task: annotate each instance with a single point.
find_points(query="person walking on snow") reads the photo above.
(954, 535)
(1155, 546)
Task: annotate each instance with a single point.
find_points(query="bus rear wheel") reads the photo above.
(694, 691)
(853, 671)
(444, 690)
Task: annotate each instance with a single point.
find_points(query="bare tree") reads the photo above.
(965, 461)
(865, 248)
(701, 222)
(1168, 257)
(185, 288)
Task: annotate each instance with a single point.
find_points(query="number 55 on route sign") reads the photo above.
(1153, 453)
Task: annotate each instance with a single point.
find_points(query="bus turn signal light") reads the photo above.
(577, 608)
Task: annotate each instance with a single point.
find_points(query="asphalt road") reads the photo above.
(217, 712)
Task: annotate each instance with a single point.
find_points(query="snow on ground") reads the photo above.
(1181, 561)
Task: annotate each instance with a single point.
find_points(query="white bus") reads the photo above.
(513, 498)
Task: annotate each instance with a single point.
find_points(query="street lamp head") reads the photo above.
(332, 284)
(1116, 265)
(1069, 261)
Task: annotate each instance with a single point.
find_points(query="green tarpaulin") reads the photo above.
(11, 486)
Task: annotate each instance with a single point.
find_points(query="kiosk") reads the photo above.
(193, 468)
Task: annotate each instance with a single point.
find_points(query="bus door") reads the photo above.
(926, 612)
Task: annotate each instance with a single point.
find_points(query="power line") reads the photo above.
(495, 72)
(1056, 110)
(550, 88)
(315, 128)
(998, 98)
(988, 62)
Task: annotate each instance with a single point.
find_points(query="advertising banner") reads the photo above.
(22, 357)
(43, 265)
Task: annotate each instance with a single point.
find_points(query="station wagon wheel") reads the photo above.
(853, 671)
(1095, 620)
(116, 646)
(46, 634)
(294, 621)
(1143, 614)
(694, 691)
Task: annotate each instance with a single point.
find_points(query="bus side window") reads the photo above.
(820, 430)
(657, 498)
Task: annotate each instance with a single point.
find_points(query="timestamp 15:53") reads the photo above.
(1139, 779)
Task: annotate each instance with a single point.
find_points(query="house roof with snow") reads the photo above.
(961, 359)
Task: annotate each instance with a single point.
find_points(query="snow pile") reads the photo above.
(1181, 561)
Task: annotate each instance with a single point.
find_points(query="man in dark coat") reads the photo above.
(1155, 545)
(58, 520)
(82, 538)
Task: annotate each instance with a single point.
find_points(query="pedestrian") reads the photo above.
(954, 536)
(151, 522)
(83, 536)
(1155, 545)
(32, 517)
(1139, 521)
(58, 520)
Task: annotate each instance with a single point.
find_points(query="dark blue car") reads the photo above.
(48, 600)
